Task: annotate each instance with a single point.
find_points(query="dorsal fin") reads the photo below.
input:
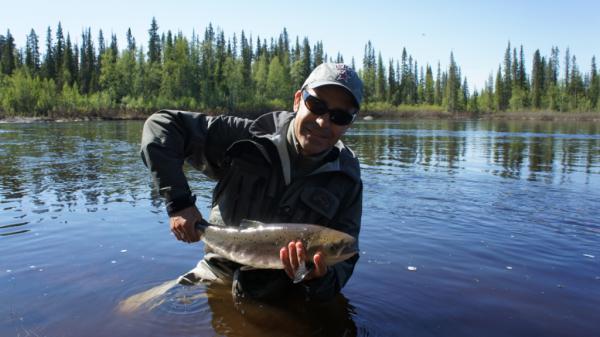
(245, 223)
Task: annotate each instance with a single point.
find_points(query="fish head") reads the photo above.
(338, 247)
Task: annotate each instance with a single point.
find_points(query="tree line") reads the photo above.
(241, 74)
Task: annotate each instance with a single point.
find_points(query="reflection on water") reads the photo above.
(513, 149)
(469, 228)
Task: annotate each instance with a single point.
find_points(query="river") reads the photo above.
(469, 228)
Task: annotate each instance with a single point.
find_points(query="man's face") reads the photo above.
(317, 133)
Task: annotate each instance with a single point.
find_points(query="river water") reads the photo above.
(470, 228)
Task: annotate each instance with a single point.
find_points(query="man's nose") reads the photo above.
(323, 120)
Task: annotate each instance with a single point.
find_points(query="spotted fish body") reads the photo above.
(257, 245)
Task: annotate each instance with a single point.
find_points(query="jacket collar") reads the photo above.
(273, 126)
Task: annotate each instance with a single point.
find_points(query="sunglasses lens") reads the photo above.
(340, 117)
(316, 106)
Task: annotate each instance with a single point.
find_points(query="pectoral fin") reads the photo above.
(302, 272)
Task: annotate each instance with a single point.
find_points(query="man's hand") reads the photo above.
(294, 254)
(183, 224)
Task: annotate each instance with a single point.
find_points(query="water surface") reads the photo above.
(469, 228)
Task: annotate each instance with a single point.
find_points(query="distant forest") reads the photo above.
(241, 74)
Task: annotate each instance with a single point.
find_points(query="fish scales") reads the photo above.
(257, 245)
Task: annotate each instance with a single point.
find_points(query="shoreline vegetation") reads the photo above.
(246, 76)
(410, 112)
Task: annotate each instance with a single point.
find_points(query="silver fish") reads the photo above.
(257, 245)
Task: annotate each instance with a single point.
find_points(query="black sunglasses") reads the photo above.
(319, 108)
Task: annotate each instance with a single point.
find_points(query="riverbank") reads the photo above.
(406, 113)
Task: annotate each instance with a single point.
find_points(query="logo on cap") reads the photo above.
(344, 72)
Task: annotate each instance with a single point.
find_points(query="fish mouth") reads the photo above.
(348, 252)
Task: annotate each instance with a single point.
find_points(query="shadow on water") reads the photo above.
(290, 316)
(286, 317)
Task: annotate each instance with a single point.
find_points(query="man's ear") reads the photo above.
(297, 99)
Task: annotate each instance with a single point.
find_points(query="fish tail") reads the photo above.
(201, 226)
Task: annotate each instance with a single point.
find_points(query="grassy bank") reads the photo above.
(387, 111)
(369, 112)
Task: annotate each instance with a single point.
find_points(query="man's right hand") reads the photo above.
(183, 224)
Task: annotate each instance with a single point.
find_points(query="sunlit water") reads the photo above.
(469, 228)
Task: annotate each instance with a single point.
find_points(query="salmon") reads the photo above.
(257, 245)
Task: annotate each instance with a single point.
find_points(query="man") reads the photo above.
(281, 167)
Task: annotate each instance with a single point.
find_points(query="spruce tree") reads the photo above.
(489, 91)
(306, 58)
(369, 73)
(246, 50)
(452, 86)
(576, 87)
(429, 87)
(101, 50)
(8, 60)
(438, 86)
(594, 92)
(219, 68)
(404, 75)
(59, 54)
(318, 54)
(465, 94)
(380, 88)
(567, 69)
(391, 82)
(500, 87)
(154, 43)
(69, 63)
(32, 53)
(114, 47)
(522, 73)
(130, 41)
(507, 79)
(49, 66)
(553, 66)
(88, 76)
(537, 80)
(2, 42)
(415, 84)
(515, 70)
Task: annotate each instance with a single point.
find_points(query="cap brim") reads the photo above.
(317, 84)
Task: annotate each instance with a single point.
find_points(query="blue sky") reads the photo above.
(476, 31)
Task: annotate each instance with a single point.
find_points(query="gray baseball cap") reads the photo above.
(336, 74)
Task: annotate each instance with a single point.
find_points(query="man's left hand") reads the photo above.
(294, 254)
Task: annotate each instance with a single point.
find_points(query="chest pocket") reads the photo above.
(320, 201)
(249, 186)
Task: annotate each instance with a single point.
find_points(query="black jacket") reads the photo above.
(251, 163)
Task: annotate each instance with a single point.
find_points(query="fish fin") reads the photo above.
(302, 272)
(245, 223)
(148, 299)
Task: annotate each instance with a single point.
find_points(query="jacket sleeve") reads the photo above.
(171, 137)
(325, 288)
